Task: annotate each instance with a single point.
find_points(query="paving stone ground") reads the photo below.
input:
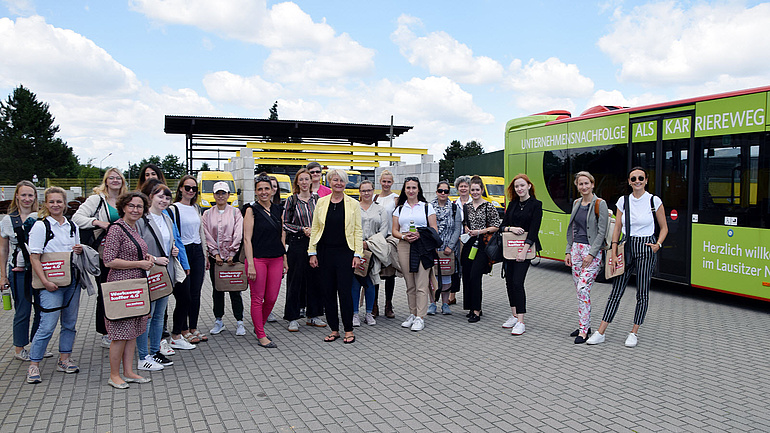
(701, 365)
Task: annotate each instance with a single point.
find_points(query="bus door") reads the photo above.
(667, 159)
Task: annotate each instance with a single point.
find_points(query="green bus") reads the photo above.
(708, 159)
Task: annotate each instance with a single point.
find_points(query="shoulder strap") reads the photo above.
(138, 247)
(48, 232)
(426, 213)
(454, 210)
(175, 218)
(376, 196)
(627, 214)
(21, 238)
(596, 208)
(101, 203)
(155, 236)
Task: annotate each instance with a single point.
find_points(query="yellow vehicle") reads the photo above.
(494, 192)
(206, 181)
(284, 185)
(354, 180)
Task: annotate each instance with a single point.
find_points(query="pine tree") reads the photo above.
(455, 151)
(28, 142)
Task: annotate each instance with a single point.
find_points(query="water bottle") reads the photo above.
(474, 250)
(6, 297)
(412, 227)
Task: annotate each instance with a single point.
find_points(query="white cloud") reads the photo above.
(249, 92)
(443, 55)
(301, 49)
(666, 43)
(616, 97)
(52, 59)
(19, 7)
(542, 86)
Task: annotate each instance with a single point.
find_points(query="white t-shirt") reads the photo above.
(389, 204)
(417, 214)
(62, 242)
(6, 231)
(642, 218)
(461, 206)
(190, 224)
(165, 236)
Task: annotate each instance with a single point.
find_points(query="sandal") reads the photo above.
(191, 338)
(200, 335)
(332, 337)
(350, 339)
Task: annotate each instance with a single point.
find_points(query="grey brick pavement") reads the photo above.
(701, 365)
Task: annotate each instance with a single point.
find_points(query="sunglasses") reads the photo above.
(633, 178)
(315, 172)
(412, 178)
(189, 188)
(442, 191)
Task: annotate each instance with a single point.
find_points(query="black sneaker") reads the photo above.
(162, 360)
(165, 334)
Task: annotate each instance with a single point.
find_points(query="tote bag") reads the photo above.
(445, 265)
(363, 264)
(159, 282)
(126, 299)
(513, 244)
(230, 278)
(57, 268)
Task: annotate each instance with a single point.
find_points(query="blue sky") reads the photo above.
(454, 70)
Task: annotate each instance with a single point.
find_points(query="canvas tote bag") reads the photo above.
(513, 243)
(230, 278)
(127, 298)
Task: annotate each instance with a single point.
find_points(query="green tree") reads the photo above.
(274, 111)
(88, 170)
(169, 165)
(28, 142)
(454, 151)
(205, 166)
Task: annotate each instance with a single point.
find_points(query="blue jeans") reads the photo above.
(368, 293)
(22, 307)
(69, 318)
(154, 329)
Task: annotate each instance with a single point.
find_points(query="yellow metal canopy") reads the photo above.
(317, 156)
(326, 163)
(336, 148)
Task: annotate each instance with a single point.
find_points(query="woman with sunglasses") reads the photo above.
(65, 300)
(413, 212)
(186, 215)
(97, 213)
(641, 248)
(463, 186)
(165, 244)
(223, 226)
(586, 232)
(374, 220)
(450, 225)
(481, 220)
(336, 246)
(122, 248)
(12, 265)
(265, 247)
(524, 215)
(314, 169)
(387, 199)
(297, 222)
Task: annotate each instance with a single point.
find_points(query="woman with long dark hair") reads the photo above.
(641, 248)
(524, 215)
(147, 172)
(413, 212)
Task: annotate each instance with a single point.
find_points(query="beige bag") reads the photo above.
(362, 269)
(179, 273)
(621, 266)
(57, 268)
(446, 263)
(513, 244)
(230, 278)
(159, 282)
(126, 299)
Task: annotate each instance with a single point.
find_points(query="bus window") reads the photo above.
(607, 164)
(556, 179)
(729, 171)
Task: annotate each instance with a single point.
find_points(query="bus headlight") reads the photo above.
(235, 203)
(205, 202)
(495, 203)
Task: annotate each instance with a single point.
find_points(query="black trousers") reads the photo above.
(188, 293)
(336, 279)
(101, 327)
(390, 287)
(300, 288)
(515, 274)
(219, 297)
(473, 270)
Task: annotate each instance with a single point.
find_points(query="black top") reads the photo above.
(266, 236)
(580, 225)
(334, 230)
(526, 215)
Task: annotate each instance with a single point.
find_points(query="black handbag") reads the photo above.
(87, 236)
(494, 247)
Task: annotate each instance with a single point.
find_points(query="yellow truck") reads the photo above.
(494, 192)
(206, 181)
(284, 185)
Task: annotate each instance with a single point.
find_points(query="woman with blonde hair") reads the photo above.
(586, 232)
(95, 215)
(14, 233)
(387, 199)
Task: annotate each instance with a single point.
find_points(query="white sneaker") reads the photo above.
(240, 331)
(631, 340)
(356, 320)
(218, 327)
(408, 322)
(181, 343)
(595, 338)
(418, 324)
(293, 326)
(518, 328)
(23, 355)
(272, 318)
(148, 364)
(106, 342)
(165, 348)
(511, 322)
(315, 321)
(369, 319)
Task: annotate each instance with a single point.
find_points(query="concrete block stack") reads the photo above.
(427, 171)
(242, 168)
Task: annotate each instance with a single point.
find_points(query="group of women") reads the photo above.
(343, 244)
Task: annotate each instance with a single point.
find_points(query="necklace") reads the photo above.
(522, 204)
